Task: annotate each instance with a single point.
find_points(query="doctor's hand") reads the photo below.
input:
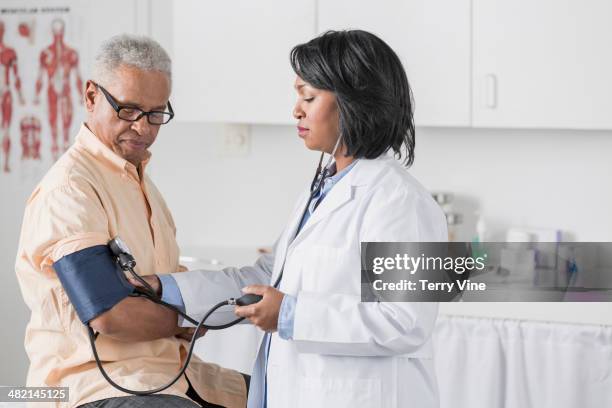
(263, 314)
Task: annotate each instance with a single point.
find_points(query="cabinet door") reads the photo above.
(543, 63)
(432, 38)
(231, 59)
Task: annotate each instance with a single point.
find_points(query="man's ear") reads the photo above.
(91, 90)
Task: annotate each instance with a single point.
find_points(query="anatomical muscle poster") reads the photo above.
(41, 82)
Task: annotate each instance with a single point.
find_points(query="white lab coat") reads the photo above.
(344, 353)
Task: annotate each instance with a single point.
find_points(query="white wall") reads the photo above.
(14, 315)
(226, 201)
(545, 178)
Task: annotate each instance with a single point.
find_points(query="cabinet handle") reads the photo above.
(491, 91)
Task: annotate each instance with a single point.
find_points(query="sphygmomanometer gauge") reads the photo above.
(119, 247)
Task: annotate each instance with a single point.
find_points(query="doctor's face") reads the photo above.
(318, 118)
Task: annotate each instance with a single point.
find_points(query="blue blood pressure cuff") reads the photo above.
(93, 281)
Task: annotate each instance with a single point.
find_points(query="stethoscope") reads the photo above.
(127, 263)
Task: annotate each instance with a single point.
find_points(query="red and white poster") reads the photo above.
(41, 82)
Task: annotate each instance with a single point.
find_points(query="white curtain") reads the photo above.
(503, 363)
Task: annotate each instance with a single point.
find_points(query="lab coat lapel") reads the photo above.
(339, 195)
(287, 238)
(363, 173)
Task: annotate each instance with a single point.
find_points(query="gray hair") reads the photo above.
(129, 50)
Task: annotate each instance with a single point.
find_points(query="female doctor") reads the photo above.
(323, 347)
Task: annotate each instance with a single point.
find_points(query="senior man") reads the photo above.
(98, 190)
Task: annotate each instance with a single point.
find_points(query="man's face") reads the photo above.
(147, 90)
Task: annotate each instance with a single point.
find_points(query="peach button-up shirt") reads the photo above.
(88, 197)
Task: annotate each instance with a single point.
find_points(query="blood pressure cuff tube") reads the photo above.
(93, 281)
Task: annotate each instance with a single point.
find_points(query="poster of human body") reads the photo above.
(41, 82)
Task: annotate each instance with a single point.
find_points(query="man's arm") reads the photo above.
(137, 319)
(71, 218)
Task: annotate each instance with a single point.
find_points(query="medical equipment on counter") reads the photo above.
(94, 281)
(453, 218)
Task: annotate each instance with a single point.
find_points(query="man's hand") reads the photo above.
(137, 319)
(263, 314)
(187, 333)
(184, 333)
(152, 280)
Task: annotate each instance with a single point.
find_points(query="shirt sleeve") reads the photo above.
(62, 221)
(286, 317)
(58, 221)
(171, 292)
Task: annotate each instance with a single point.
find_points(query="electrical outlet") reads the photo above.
(236, 140)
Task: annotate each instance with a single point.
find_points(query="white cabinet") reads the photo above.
(432, 38)
(542, 64)
(231, 59)
(479, 63)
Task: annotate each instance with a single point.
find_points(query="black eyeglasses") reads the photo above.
(132, 113)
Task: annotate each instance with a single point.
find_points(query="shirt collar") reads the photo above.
(90, 142)
(335, 177)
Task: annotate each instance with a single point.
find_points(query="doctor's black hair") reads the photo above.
(372, 91)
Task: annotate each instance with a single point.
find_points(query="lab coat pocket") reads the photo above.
(318, 267)
(339, 392)
(332, 270)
